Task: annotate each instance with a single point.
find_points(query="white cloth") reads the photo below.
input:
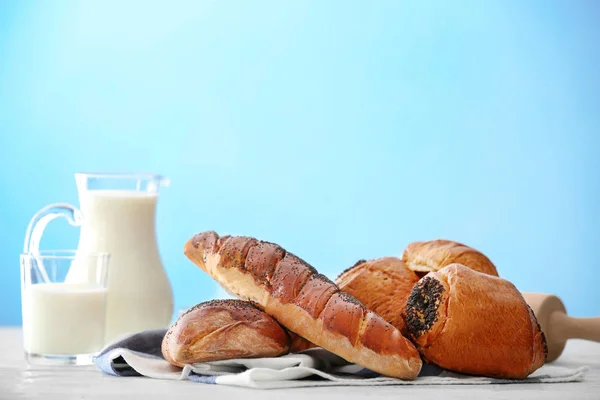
(140, 355)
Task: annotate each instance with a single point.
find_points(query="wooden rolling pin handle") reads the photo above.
(576, 328)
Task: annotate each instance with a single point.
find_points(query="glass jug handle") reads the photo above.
(38, 223)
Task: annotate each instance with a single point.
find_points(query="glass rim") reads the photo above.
(121, 175)
(64, 254)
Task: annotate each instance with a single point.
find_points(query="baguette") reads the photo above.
(304, 301)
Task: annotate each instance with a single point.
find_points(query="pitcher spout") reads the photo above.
(163, 181)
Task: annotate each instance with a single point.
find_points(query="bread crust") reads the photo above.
(221, 330)
(433, 255)
(470, 322)
(306, 303)
(382, 285)
(298, 343)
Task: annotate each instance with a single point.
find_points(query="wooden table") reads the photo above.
(18, 381)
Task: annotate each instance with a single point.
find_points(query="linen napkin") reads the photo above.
(140, 355)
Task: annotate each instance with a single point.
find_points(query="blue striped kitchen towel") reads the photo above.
(140, 355)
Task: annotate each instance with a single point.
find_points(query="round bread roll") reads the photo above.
(474, 323)
(424, 257)
(221, 330)
(382, 285)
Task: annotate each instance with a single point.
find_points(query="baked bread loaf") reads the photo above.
(423, 257)
(221, 330)
(382, 285)
(304, 301)
(298, 343)
(470, 322)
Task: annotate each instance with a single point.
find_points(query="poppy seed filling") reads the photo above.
(422, 305)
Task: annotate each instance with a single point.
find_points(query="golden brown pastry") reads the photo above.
(221, 330)
(298, 343)
(470, 322)
(423, 257)
(382, 285)
(304, 301)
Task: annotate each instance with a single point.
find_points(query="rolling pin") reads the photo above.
(557, 325)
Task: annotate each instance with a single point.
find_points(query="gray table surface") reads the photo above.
(18, 381)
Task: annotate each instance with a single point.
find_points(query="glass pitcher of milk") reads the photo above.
(117, 216)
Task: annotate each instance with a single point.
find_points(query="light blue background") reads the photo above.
(338, 129)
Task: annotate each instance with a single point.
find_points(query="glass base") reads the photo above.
(56, 359)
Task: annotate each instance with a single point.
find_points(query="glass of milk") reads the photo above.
(63, 320)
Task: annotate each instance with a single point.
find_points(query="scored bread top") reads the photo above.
(304, 301)
(433, 255)
(382, 285)
(223, 329)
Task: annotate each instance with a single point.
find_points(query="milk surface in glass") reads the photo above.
(63, 319)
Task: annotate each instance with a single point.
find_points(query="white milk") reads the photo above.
(63, 319)
(122, 223)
